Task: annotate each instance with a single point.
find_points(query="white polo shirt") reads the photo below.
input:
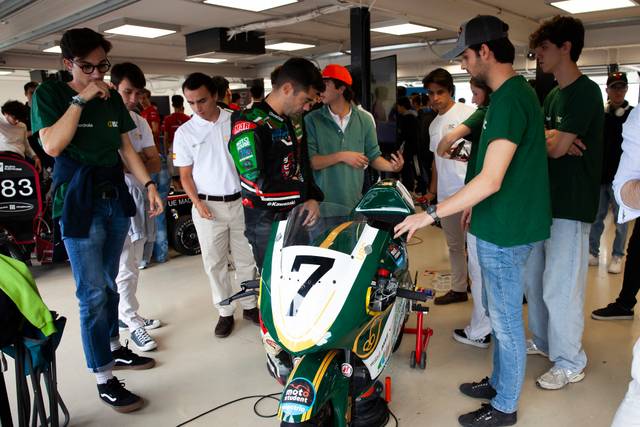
(204, 145)
(141, 137)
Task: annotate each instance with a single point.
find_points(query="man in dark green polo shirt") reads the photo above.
(557, 273)
(342, 141)
(511, 209)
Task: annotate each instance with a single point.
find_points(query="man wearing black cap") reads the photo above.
(556, 274)
(616, 112)
(509, 194)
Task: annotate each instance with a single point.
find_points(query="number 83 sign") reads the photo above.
(19, 191)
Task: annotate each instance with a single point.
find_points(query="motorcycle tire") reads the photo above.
(396, 346)
(324, 418)
(185, 238)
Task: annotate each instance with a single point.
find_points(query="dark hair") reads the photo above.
(30, 85)
(221, 84)
(177, 101)
(401, 91)
(129, 71)
(257, 91)
(348, 94)
(195, 81)
(503, 50)
(147, 92)
(404, 101)
(441, 77)
(235, 97)
(424, 99)
(300, 72)
(16, 109)
(558, 30)
(483, 87)
(80, 42)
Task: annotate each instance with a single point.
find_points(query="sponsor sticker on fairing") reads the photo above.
(298, 397)
(242, 126)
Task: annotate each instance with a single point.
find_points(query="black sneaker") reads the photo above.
(252, 314)
(461, 336)
(450, 298)
(114, 394)
(614, 311)
(481, 390)
(224, 326)
(127, 359)
(487, 416)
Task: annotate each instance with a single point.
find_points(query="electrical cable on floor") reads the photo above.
(260, 398)
(394, 418)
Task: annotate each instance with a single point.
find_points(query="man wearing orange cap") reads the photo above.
(342, 141)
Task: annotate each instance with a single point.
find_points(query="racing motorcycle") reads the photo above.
(333, 299)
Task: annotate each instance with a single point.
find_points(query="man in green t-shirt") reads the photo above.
(557, 272)
(342, 141)
(84, 125)
(511, 209)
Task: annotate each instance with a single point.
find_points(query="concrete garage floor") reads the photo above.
(196, 371)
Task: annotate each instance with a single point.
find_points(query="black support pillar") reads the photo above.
(361, 54)
(544, 83)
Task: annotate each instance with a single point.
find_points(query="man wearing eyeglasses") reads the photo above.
(84, 125)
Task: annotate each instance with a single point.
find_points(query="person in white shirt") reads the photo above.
(209, 178)
(128, 79)
(13, 133)
(626, 189)
(448, 176)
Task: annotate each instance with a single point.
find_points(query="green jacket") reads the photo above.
(341, 183)
(17, 282)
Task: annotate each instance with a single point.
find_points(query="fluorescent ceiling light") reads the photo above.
(53, 49)
(5, 72)
(206, 60)
(402, 29)
(583, 6)
(137, 28)
(251, 5)
(289, 46)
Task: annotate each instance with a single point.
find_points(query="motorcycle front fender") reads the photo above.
(316, 381)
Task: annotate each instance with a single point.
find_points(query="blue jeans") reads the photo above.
(503, 287)
(556, 278)
(95, 262)
(606, 199)
(161, 245)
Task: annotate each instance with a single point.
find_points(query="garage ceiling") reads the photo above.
(612, 36)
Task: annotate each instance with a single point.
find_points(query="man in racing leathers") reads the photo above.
(273, 164)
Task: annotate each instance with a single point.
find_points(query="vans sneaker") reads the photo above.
(488, 416)
(114, 394)
(532, 349)
(613, 311)
(122, 326)
(124, 358)
(615, 266)
(151, 323)
(461, 336)
(556, 378)
(481, 390)
(142, 340)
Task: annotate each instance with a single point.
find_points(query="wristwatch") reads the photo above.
(79, 101)
(431, 211)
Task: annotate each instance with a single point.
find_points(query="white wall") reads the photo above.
(12, 89)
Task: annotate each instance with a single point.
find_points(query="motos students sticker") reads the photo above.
(298, 397)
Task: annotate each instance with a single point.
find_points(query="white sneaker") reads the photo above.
(556, 378)
(142, 340)
(615, 266)
(593, 261)
(151, 323)
(532, 349)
